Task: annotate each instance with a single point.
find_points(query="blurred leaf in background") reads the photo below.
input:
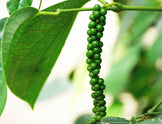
(3, 89)
(83, 119)
(13, 5)
(54, 88)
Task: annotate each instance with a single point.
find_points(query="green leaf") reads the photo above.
(155, 52)
(2, 22)
(140, 83)
(31, 45)
(115, 120)
(120, 72)
(152, 121)
(14, 63)
(3, 89)
(156, 89)
(83, 119)
(3, 93)
(13, 5)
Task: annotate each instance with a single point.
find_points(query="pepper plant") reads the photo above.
(32, 41)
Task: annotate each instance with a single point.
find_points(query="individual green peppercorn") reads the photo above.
(93, 95)
(95, 102)
(90, 121)
(98, 61)
(103, 11)
(94, 109)
(102, 114)
(92, 24)
(93, 65)
(93, 37)
(99, 34)
(99, 27)
(88, 61)
(92, 75)
(96, 71)
(97, 7)
(98, 117)
(89, 39)
(92, 17)
(95, 43)
(100, 81)
(93, 31)
(90, 53)
(93, 120)
(89, 68)
(100, 44)
(101, 97)
(89, 32)
(102, 87)
(93, 81)
(96, 56)
(98, 92)
(89, 46)
(102, 108)
(93, 88)
(102, 102)
(102, 18)
(97, 50)
(96, 14)
(96, 87)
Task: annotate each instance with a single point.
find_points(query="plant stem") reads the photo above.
(145, 116)
(141, 8)
(155, 107)
(116, 7)
(40, 5)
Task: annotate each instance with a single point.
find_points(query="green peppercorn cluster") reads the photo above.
(94, 47)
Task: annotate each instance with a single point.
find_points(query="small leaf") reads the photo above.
(3, 89)
(31, 45)
(115, 120)
(152, 121)
(14, 5)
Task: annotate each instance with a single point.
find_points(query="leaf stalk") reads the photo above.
(116, 7)
(155, 107)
